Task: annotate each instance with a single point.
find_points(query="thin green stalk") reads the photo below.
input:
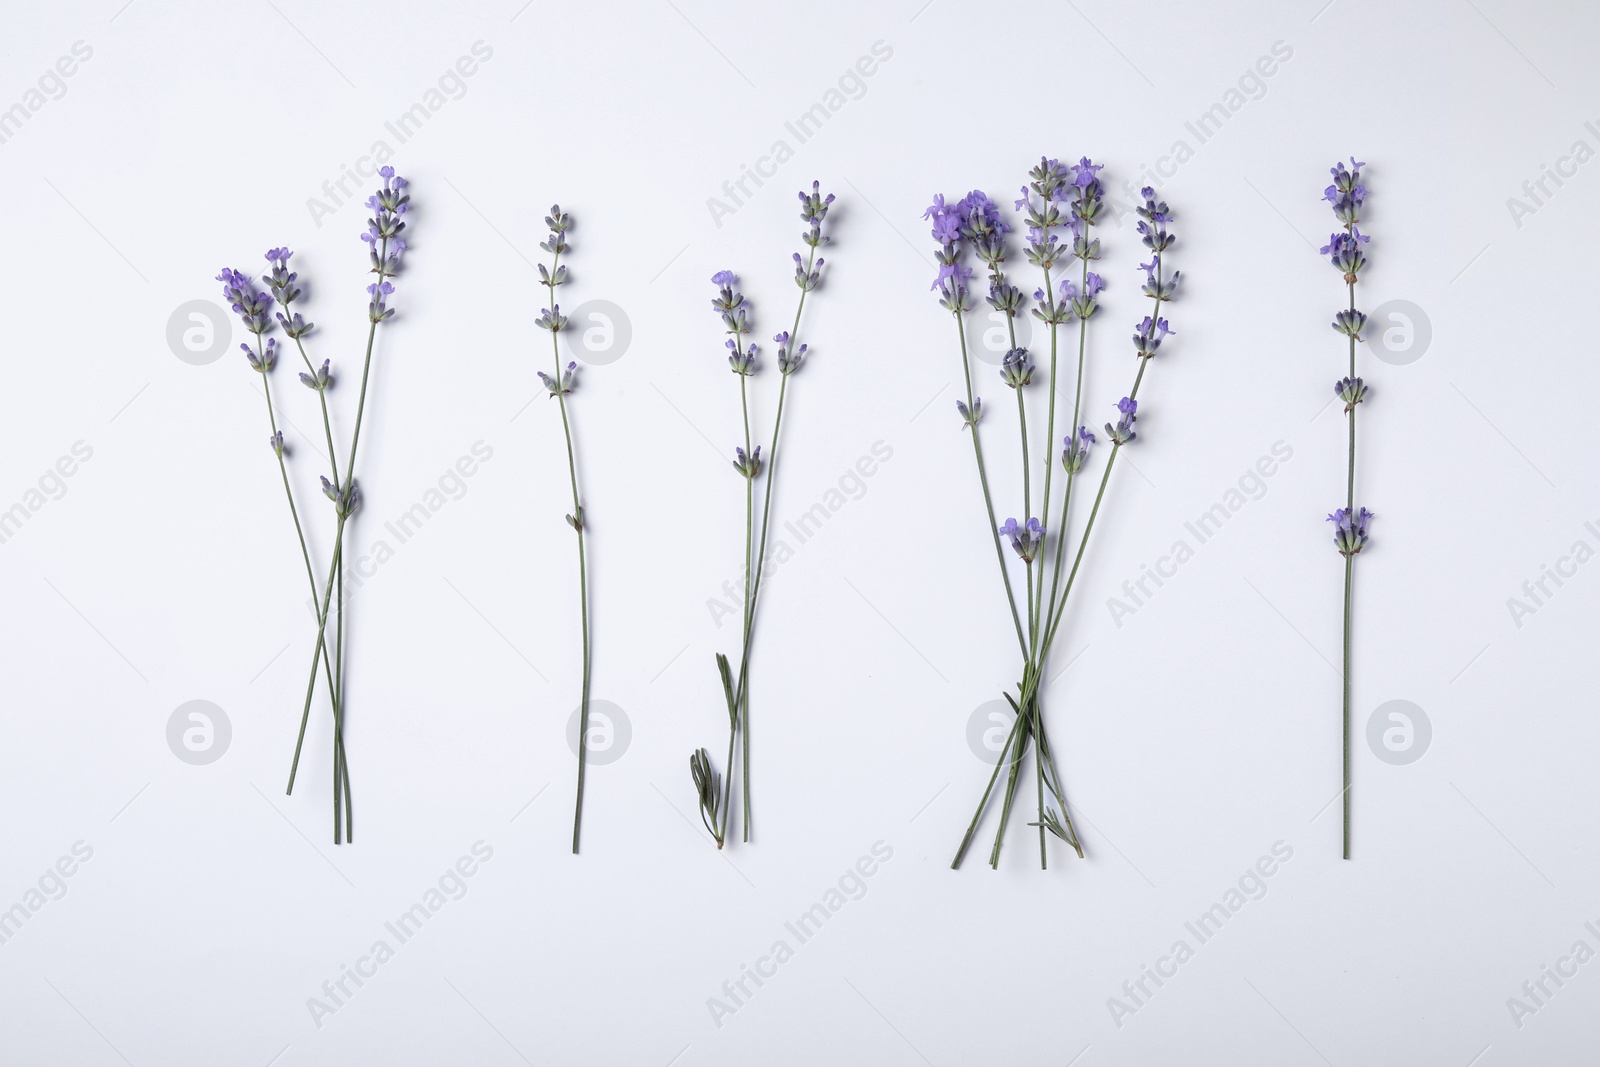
(983, 802)
(988, 498)
(577, 521)
(335, 571)
(1349, 562)
(294, 513)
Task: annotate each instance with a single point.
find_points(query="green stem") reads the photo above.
(988, 498)
(579, 521)
(335, 571)
(1349, 562)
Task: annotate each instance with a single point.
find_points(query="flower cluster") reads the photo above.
(1148, 334)
(559, 386)
(788, 362)
(1016, 369)
(1350, 529)
(735, 312)
(1026, 539)
(1351, 390)
(248, 302)
(1346, 194)
(1121, 432)
(388, 206)
(1075, 449)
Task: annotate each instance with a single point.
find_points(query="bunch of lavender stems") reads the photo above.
(713, 790)
(559, 385)
(1347, 194)
(389, 204)
(976, 222)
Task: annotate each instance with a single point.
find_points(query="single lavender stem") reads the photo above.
(988, 498)
(761, 553)
(577, 520)
(1349, 563)
(1077, 404)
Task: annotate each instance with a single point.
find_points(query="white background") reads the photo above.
(1192, 737)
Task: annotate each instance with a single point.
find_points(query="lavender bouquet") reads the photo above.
(714, 790)
(1347, 194)
(1061, 205)
(559, 385)
(383, 236)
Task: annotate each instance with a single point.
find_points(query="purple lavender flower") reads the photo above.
(970, 417)
(267, 359)
(561, 387)
(750, 465)
(377, 309)
(1154, 216)
(1349, 322)
(813, 209)
(551, 319)
(743, 360)
(788, 362)
(1154, 284)
(248, 302)
(318, 381)
(388, 206)
(808, 279)
(1088, 198)
(1122, 432)
(1026, 539)
(280, 279)
(1346, 194)
(1147, 336)
(1075, 449)
(1350, 530)
(953, 275)
(1351, 390)
(1016, 368)
(346, 501)
(1082, 301)
(276, 443)
(1344, 252)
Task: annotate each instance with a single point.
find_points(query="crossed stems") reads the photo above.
(576, 521)
(306, 555)
(1029, 722)
(341, 776)
(739, 698)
